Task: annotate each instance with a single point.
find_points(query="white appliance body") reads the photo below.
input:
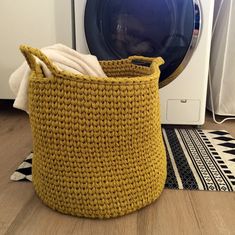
(222, 67)
(183, 101)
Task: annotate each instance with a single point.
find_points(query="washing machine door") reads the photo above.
(168, 28)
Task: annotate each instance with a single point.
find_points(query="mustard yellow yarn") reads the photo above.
(98, 147)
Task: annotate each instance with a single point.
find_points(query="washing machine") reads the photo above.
(177, 30)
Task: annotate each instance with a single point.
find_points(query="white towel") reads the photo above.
(64, 58)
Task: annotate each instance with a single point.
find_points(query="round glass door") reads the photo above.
(168, 28)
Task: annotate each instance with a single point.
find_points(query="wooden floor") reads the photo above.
(175, 212)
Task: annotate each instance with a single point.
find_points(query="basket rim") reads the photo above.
(152, 72)
(65, 75)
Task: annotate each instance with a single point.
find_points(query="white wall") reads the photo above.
(37, 23)
(222, 65)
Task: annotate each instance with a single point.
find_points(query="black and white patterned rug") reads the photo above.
(196, 159)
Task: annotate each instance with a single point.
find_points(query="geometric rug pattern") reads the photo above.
(24, 170)
(200, 159)
(196, 160)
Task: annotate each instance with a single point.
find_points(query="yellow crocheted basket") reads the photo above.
(97, 141)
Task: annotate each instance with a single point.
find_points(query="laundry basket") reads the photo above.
(97, 143)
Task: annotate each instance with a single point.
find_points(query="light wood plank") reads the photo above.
(15, 143)
(38, 219)
(215, 211)
(12, 200)
(210, 125)
(171, 214)
(125, 225)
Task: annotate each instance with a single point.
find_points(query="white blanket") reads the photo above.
(64, 58)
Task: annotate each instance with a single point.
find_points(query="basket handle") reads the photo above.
(155, 61)
(30, 53)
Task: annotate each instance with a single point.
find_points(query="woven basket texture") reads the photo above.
(97, 142)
